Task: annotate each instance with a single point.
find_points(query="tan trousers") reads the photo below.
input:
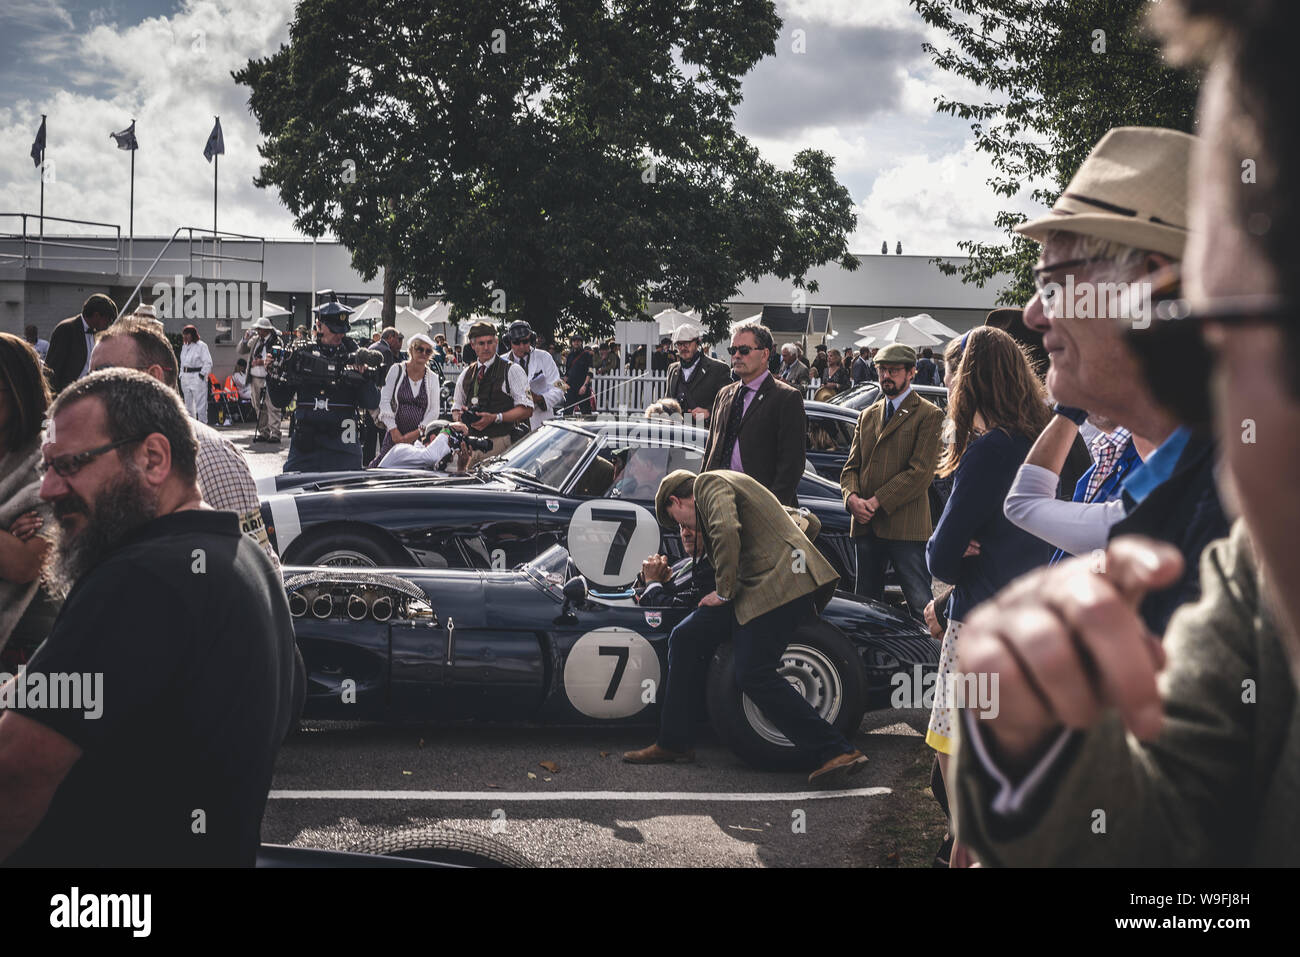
(499, 445)
(268, 416)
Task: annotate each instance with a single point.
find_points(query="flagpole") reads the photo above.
(40, 259)
(130, 254)
(216, 163)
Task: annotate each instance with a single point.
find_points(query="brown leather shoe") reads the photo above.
(657, 755)
(836, 772)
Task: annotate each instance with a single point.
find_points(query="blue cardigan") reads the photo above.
(974, 511)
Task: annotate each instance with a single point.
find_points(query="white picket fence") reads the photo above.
(633, 391)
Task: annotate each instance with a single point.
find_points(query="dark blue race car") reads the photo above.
(539, 643)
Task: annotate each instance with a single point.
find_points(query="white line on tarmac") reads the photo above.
(530, 796)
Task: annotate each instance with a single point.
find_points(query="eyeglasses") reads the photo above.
(67, 466)
(1042, 272)
(743, 350)
(421, 350)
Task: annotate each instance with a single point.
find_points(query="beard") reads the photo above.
(121, 507)
(890, 388)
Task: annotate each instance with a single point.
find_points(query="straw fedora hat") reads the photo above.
(1132, 189)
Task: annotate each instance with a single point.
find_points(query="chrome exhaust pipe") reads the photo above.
(297, 604)
(357, 608)
(382, 608)
(322, 606)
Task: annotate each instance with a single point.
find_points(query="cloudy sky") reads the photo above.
(861, 89)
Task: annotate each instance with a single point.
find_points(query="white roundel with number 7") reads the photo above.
(611, 673)
(608, 540)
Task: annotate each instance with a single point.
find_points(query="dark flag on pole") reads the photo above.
(38, 145)
(216, 143)
(126, 139)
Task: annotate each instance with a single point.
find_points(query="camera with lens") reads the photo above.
(475, 443)
(308, 365)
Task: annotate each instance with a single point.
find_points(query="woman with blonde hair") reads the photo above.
(410, 398)
(997, 408)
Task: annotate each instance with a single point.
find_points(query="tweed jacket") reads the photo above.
(761, 559)
(1218, 786)
(896, 464)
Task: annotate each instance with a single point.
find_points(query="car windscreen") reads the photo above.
(548, 455)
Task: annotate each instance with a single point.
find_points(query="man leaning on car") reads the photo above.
(769, 578)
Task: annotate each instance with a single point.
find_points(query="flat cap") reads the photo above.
(666, 488)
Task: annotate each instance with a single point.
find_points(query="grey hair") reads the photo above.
(135, 405)
(1123, 262)
(789, 349)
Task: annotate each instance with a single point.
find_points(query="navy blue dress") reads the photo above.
(974, 511)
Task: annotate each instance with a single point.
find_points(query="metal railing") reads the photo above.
(202, 257)
(35, 246)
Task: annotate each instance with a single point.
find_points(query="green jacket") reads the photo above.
(761, 560)
(895, 463)
(1219, 786)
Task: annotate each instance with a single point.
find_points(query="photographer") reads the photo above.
(332, 379)
(492, 395)
(432, 450)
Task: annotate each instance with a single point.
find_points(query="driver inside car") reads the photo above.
(680, 585)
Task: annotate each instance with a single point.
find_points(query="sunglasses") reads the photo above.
(67, 466)
(743, 350)
(422, 350)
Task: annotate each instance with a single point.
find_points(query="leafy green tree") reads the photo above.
(562, 161)
(1059, 75)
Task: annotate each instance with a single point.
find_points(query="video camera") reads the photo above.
(306, 364)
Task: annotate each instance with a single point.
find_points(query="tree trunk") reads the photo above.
(389, 313)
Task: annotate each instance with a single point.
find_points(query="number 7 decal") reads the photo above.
(626, 521)
(621, 652)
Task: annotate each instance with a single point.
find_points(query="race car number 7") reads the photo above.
(608, 542)
(626, 522)
(622, 654)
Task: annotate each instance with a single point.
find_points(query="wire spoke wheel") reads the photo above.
(814, 676)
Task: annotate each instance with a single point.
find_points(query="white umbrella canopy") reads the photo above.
(669, 319)
(435, 314)
(370, 309)
(927, 323)
(408, 322)
(900, 330)
(271, 311)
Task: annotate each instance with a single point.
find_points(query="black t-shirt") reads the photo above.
(188, 623)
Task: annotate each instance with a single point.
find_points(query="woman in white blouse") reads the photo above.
(410, 397)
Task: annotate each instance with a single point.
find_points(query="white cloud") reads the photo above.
(932, 203)
(173, 75)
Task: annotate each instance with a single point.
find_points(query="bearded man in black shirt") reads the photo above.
(175, 631)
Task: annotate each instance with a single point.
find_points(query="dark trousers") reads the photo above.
(909, 562)
(758, 647)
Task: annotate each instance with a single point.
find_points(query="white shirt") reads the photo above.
(897, 400)
(1076, 528)
(417, 455)
(195, 354)
(544, 379)
(90, 345)
(388, 394)
(241, 383)
(516, 385)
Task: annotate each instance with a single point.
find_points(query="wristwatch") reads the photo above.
(1077, 416)
(500, 417)
(723, 600)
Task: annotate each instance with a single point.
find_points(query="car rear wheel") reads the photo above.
(443, 847)
(348, 548)
(821, 664)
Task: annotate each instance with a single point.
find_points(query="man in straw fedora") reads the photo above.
(1119, 228)
(1188, 743)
